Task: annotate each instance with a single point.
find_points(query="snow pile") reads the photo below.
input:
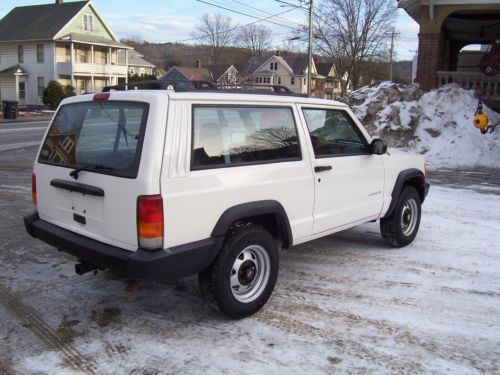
(437, 124)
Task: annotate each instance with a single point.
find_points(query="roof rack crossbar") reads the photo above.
(198, 85)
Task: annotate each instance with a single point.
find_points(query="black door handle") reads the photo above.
(323, 168)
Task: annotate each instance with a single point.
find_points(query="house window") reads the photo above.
(84, 55)
(88, 22)
(22, 90)
(68, 53)
(20, 53)
(279, 80)
(274, 66)
(132, 70)
(82, 85)
(256, 79)
(40, 53)
(305, 82)
(41, 86)
(292, 80)
(104, 57)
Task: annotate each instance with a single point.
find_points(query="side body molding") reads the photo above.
(252, 210)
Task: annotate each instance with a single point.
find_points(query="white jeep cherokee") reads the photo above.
(160, 184)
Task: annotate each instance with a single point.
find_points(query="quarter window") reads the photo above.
(334, 133)
(231, 136)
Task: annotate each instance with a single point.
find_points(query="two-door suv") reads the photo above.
(158, 184)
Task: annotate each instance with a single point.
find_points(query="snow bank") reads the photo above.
(437, 124)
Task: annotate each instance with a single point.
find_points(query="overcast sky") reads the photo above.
(175, 20)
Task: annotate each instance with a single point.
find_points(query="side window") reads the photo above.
(231, 136)
(334, 133)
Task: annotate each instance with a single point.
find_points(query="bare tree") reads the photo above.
(352, 32)
(217, 31)
(255, 38)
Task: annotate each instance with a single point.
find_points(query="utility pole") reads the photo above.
(309, 69)
(391, 53)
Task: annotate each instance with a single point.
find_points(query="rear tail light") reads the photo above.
(150, 221)
(425, 170)
(33, 189)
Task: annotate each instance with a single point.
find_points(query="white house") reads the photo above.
(138, 65)
(66, 42)
(275, 70)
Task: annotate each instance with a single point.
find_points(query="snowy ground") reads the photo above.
(343, 304)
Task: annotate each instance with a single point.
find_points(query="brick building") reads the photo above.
(447, 26)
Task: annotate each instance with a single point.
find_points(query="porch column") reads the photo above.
(126, 65)
(93, 83)
(110, 56)
(72, 62)
(429, 57)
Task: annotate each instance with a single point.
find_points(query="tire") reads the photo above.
(400, 228)
(242, 277)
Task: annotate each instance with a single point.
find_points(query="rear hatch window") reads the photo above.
(101, 136)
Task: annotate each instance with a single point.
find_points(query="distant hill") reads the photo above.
(166, 55)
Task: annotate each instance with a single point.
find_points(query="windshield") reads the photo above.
(104, 133)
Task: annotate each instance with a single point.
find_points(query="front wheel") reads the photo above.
(242, 278)
(400, 228)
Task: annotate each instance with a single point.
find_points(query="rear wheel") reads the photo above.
(400, 228)
(242, 278)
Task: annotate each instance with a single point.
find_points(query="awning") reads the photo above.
(89, 39)
(16, 70)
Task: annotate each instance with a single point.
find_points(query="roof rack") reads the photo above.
(176, 85)
(190, 86)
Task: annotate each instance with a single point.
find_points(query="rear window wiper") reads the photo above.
(86, 167)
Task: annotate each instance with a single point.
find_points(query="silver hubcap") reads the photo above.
(250, 273)
(409, 217)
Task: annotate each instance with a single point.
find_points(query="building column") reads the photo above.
(92, 57)
(72, 62)
(429, 56)
(126, 65)
(92, 83)
(110, 56)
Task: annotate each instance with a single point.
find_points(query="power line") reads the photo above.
(248, 15)
(233, 29)
(265, 12)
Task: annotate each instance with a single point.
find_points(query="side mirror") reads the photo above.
(378, 147)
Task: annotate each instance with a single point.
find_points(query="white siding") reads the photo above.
(8, 88)
(30, 64)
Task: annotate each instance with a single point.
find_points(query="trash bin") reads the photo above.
(9, 108)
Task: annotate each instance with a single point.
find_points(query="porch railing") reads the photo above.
(489, 86)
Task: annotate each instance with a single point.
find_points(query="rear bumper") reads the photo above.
(159, 265)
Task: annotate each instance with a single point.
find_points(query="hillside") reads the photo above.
(165, 55)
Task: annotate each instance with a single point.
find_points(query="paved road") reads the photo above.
(15, 136)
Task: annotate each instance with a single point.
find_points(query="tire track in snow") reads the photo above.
(36, 324)
(284, 323)
(383, 329)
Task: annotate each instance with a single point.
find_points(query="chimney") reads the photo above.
(59, 2)
(278, 53)
(198, 63)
